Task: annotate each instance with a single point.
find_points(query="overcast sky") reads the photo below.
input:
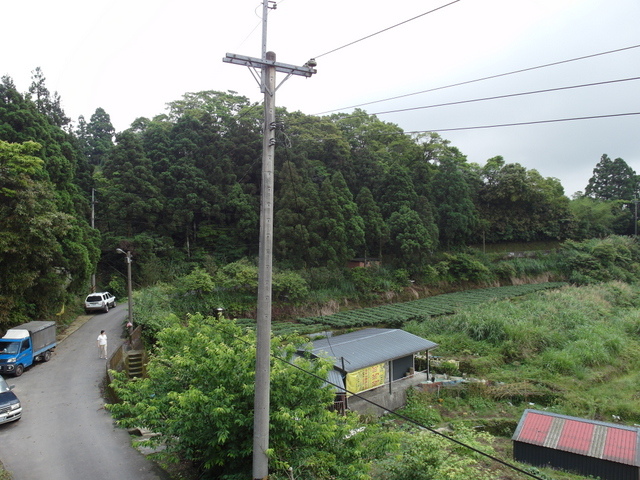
(131, 57)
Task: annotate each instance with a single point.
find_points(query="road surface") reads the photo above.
(65, 432)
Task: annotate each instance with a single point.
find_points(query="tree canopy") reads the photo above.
(205, 413)
(47, 249)
(183, 187)
(612, 180)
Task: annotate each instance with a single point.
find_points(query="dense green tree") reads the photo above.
(349, 209)
(424, 167)
(521, 205)
(426, 211)
(318, 143)
(222, 107)
(295, 211)
(41, 247)
(385, 139)
(96, 137)
(21, 121)
(410, 240)
(332, 227)
(456, 214)
(51, 211)
(375, 229)
(129, 190)
(396, 191)
(47, 104)
(376, 147)
(612, 180)
(595, 218)
(242, 218)
(198, 396)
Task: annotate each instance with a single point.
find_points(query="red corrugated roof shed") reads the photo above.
(607, 441)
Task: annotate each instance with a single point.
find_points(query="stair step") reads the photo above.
(134, 363)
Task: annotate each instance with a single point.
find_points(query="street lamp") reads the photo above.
(128, 260)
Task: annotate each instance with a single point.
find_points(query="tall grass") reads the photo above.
(575, 339)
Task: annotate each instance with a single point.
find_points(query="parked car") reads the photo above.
(99, 301)
(10, 408)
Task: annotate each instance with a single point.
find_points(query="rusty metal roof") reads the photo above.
(370, 346)
(607, 441)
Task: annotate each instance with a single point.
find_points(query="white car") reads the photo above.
(99, 301)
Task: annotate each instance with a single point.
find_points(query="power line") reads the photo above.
(385, 29)
(399, 415)
(410, 420)
(482, 78)
(497, 97)
(536, 122)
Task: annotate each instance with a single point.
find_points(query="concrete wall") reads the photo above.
(388, 397)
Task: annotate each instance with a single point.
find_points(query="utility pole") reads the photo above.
(268, 66)
(127, 255)
(635, 223)
(93, 225)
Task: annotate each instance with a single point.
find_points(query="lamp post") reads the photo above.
(128, 260)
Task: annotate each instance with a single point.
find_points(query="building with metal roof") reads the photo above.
(369, 359)
(606, 450)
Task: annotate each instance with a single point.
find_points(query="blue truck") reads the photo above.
(21, 346)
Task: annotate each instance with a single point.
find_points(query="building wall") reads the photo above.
(387, 397)
(401, 366)
(594, 467)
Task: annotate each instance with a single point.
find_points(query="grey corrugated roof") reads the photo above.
(371, 346)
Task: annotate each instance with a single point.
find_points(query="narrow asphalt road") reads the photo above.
(65, 432)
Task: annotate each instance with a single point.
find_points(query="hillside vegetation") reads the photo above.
(571, 349)
(575, 350)
(181, 191)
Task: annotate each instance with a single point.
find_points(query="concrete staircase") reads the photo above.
(134, 363)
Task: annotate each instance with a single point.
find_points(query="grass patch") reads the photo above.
(573, 350)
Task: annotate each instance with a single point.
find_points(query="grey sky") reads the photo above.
(132, 57)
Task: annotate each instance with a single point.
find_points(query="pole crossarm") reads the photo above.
(304, 71)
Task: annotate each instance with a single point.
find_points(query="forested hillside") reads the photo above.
(181, 190)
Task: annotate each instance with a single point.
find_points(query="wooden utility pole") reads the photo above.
(268, 66)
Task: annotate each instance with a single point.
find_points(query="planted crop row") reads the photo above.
(397, 314)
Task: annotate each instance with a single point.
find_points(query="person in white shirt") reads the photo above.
(102, 344)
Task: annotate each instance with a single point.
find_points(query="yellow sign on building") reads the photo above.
(366, 378)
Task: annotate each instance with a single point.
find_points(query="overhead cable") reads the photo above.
(414, 422)
(497, 97)
(386, 29)
(396, 414)
(516, 124)
(482, 78)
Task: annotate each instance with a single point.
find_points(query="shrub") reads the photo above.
(597, 260)
(289, 286)
(420, 409)
(463, 267)
(504, 270)
(117, 286)
(153, 310)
